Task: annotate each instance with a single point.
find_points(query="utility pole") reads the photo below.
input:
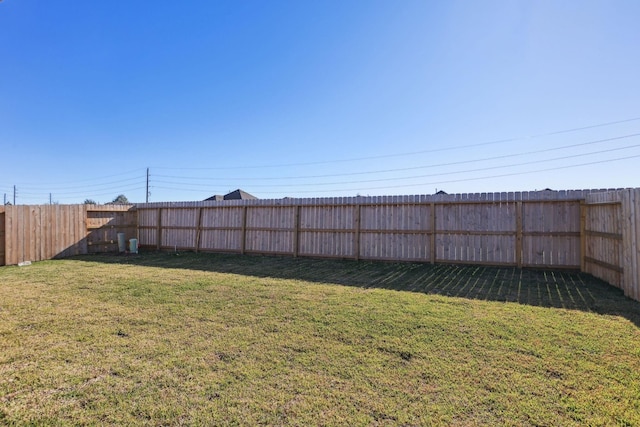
(50, 199)
(5, 199)
(14, 195)
(147, 185)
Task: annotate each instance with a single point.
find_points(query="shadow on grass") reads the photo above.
(543, 288)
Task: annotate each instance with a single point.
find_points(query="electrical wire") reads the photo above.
(108, 193)
(505, 156)
(470, 179)
(421, 176)
(422, 184)
(88, 179)
(434, 150)
(109, 184)
(97, 186)
(110, 190)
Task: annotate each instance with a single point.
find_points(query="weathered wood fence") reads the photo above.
(36, 233)
(596, 231)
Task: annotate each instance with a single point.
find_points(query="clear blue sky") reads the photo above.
(316, 99)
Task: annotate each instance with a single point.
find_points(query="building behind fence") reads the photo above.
(596, 231)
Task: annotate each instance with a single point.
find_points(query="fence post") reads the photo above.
(356, 232)
(198, 228)
(243, 232)
(583, 237)
(296, 231)
(138, 225)
(519, 209)
(433, 233)
(159, 230)
(630, 237)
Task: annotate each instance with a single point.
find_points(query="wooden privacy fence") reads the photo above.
(596, 231)
(535, 229)
(36, 233)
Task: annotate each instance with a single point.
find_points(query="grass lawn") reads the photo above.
(202, 339)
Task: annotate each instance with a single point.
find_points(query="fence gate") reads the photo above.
(2, 238)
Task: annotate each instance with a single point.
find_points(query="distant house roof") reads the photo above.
(234, 195)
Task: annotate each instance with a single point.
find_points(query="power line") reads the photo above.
(89, 186)
(424, 176)
(434, 150)
(432, 182)
(95, 188)
(121, 190)
(474, 178)
(57, 197)
(505, 156)
(86, 179)
(109, 189)
(92, 189)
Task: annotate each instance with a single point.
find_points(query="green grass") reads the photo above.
(195, 339)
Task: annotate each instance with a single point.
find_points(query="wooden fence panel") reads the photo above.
(16, 228)
(179, 228)
(395, 246)
(476, 232)
(525, 229)
(551, 234)
(612, 234)
(11, 237)
(475, 249)
(326, 231)
(270, 229)
(147, 226)
(603, 246)
(221, 240)
(399, 231)
(41, 232)
(24, 229)
(631, 242)
(103, 225)
(221, 229)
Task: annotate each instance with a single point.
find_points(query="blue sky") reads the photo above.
(316, 99)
